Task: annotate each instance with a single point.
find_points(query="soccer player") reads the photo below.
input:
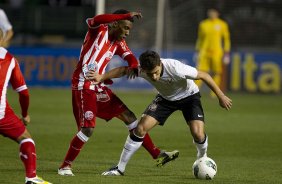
(212, 56)
(10, 125)
(176, 91)
(7, 28)
(105, 37)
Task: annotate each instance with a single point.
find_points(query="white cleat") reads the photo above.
(113, 172)
(201, 155)
(65, 171)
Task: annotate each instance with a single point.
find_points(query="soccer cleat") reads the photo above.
(36, 180)
(166, 157)
(65, 171)
(114, 171)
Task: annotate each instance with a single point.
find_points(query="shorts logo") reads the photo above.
(89, 115)
(153, 107)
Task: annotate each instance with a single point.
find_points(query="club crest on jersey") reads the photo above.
(89, 115)
(153, 107)
(109, 55)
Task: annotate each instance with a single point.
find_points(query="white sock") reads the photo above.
(130, 147)
(202, 148)
(132, 125)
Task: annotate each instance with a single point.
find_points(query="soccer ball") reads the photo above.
(204, 168)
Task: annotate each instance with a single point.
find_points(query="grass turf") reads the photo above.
(244, 142)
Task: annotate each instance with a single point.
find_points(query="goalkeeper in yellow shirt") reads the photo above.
(212, 46)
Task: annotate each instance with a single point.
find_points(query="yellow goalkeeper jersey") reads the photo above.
(213, 36)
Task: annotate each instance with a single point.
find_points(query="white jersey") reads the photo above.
(176, 81)
(5, 25)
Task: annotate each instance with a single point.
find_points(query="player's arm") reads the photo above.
(108, 18)
(114, 73)
(224, 101)
(126, 54)
(19, 85)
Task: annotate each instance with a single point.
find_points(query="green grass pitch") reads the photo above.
(244, 142)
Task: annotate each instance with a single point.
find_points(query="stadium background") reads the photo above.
(49, 33)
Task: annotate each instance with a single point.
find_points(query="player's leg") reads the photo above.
(131, 122)
(116, 108)
(194, 115)
(132, 144)
(84, 110)
(16, 131)
(200, 139)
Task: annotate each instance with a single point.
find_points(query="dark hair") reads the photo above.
(149, 60)
(123, 11)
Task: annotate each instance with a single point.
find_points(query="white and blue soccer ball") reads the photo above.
(204, 168)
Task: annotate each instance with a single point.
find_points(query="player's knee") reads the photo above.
(87, 131)
(140, 131)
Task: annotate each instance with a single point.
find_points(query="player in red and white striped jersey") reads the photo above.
(10, 125)
(105, 38)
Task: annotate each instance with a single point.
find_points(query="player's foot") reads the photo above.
(166, 157)
(113, 172)
(36, 180)
(65, 171)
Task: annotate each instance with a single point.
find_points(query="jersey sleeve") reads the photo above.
(106, 18)
(185, 71)
(125, 53)
(17, 80)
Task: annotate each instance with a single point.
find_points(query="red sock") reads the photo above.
(74, 149)
(28, 157)
(150, 147)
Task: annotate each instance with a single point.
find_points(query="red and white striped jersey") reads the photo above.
(96, 52)
(9, 71)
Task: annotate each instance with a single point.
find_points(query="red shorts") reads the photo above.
(11, 126)
(88, 104)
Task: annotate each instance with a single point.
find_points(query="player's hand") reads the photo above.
(226, 58)
(132, 73)
(225, 102)
(138, 15)
(26, 120)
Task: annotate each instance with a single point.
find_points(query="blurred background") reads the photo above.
(48, 35)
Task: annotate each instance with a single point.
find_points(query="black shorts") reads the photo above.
(161, 109)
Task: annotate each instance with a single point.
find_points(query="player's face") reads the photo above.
(213, 14)
(154, 74)
(122, 29)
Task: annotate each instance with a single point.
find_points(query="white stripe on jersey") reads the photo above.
(21, 88)
(125, 54)
(3, 53)
(4, 90)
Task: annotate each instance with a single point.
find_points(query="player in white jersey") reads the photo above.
(10, 125)
(7, 28)
(177, 91)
